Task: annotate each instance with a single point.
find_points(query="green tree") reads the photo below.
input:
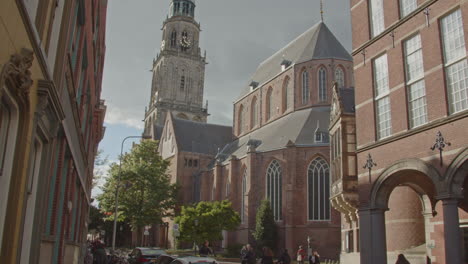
(99, 163)
(265, 232)
(146, 194)
(206, 221)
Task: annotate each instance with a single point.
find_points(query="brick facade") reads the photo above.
(411, 197)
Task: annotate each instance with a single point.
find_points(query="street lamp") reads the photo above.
(118, 185)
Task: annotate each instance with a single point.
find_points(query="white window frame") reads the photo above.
(321, 169)
(377, 17)
(416, 90)
(407, 6)
(455, 61)
(274, 188)
(381, 94)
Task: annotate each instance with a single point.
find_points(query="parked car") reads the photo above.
(194, 260)
(165, 259)
(141, 255)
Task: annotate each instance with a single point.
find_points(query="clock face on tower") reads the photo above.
(185, 42)
(163, 44)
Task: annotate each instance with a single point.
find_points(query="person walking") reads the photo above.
(267, 256)
(314, 258)
(300, 255)
(243, 253)
(249, 255)
(402, 260)
(99, 252)
(284, 258)
(205, 250)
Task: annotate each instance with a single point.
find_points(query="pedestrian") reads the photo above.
(300, 255)
(243, 253)
(249, 255)
(205, 249)
(284, 258)
(402, 260)
(267, 256)
(99, 252)
(314, 258)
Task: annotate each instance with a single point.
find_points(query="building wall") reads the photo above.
(406, 143)
(60, 127)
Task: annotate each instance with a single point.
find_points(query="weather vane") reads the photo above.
(321, 10)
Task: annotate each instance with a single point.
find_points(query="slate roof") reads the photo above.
(199, 137)
(347, 99)
(316, 43)
(298, 127)
(157, 132)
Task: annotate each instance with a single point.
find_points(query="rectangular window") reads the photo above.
(377, 17)
(456, 67)
(407, 6)
(414, 80)
(381, 97)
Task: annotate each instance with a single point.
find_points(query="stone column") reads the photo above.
(373, 247)
(453, 254)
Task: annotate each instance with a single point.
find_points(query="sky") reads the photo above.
(236, 34)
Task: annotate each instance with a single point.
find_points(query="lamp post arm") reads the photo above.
(117, 187)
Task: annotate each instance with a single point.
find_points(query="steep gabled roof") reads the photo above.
(297, 128)
(199, 137)
(316, 43)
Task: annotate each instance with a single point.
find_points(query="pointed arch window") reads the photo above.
(244, 193)
(286, 99)
(274, 187)
(339, 77)
(269, 104)
(318, 188)
(305, 87)
(241, 119)
(254, 114)
(322, 78)
(182, 81)
(174, 38)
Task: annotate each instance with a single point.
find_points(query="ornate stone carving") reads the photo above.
(17, 71)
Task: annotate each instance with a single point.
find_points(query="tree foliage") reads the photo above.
(265, 227)
(206, 221)
(99, 163)
(146, 194)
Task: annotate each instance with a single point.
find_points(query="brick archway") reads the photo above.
(457, 173)
(421, 177)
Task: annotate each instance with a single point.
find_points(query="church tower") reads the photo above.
(178, 69)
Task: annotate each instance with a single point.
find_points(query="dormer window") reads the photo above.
(285, 64)
(253, 85)
(321, 137)
(318, 137)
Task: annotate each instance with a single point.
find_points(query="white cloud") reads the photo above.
(128, 117)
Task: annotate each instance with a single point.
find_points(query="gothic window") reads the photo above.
(241, 119)
(274, 188)
(174, 38)
(322, 76)
(305, 87)
(318, 183)
(339, 77)
(254, 114)
(8, 132)
(228, 186)
(185, 8)
(182, 82)
(244, 193)
(286, 94)
(269, 104)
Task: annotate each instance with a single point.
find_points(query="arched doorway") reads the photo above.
(394, 222)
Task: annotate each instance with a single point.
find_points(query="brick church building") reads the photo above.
(278, 147)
